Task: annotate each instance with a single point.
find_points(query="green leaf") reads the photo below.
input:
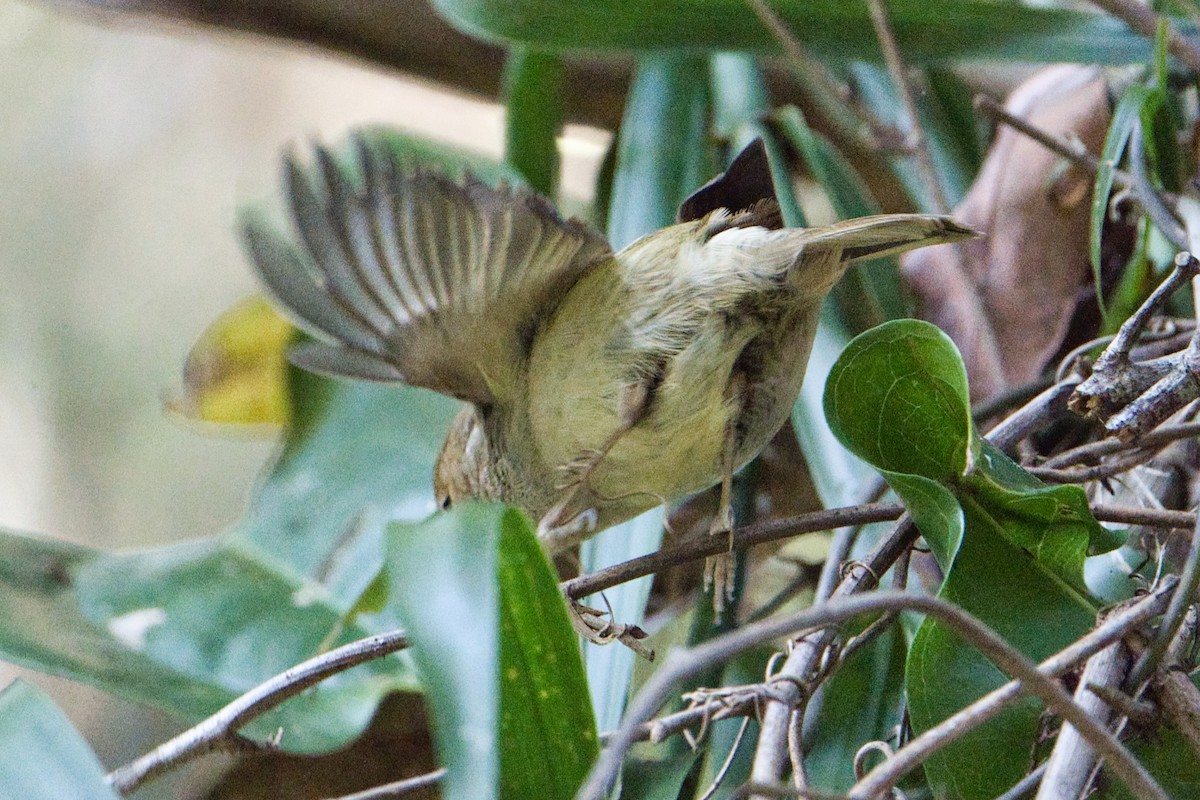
(354, 446)
(224, 618)
(906, 372)
(1125, 116)
(662, 151)
(42, 756)
(443, 590)
(533, 83)
(547, 731)
(1011, 549)
(185, 628)
(928, 30)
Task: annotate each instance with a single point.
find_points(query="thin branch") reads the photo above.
(1024, 787)
(220, 730)
(1074, 152)
(1149, 517)
(1159, 436)
(1108, 469)
(703, 546)
(1073, 762)
(917, 141)
(1039, 412)
(1146, 22)
(397, 788)
(1185, 595)
(770, 755)
(683, 665)
(1118, 624)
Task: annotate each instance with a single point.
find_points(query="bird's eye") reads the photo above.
(445, 503)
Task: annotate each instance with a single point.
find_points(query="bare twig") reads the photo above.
(1107, 469)
(1119, 623)
(398, 788)
(1074, 152)
(1034, 415)
(1144, 21)
(916, 137)
(747, 536)
(1160, 436)
(1025, 787)
(1180, 703)
(1185, 595)
(1148, 392)
(682, 665)
(1149, 517)
(1073, 762)
(219, 731)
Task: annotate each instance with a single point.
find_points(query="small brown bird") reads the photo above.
(599, 384)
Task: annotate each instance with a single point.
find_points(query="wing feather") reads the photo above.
(410, 276)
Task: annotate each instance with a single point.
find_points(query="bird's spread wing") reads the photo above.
(410, 276)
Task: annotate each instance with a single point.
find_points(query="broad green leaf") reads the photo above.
(42, 756)
(356, 455)
(547, 730)
(443, 589)
(224, 618)
(186, 629)
(929, 30)
(1011, 550)
(533, 87)
(898, 398)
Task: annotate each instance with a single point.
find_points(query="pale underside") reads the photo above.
(487, 295)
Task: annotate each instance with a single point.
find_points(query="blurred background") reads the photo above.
(125, 150)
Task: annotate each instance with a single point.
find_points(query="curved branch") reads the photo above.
(687, 664)
(220, 730)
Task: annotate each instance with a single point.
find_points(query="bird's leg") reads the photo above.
(719, 569)
(560, 529)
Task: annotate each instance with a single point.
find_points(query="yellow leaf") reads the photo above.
(236, 373)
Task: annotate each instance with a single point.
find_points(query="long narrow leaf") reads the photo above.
(931, 30)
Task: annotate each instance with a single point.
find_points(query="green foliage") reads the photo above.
(41, 755)
(319, 560)
(932, 30)
(1011, 550)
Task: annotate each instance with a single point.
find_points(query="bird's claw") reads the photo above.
(598, 627)
(719, 569)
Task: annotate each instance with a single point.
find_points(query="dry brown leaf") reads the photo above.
(1029, 269)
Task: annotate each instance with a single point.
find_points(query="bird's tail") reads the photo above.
(888, 234)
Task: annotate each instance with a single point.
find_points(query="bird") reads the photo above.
(598, 383)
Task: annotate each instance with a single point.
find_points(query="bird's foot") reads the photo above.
(599, 627)
(556, 535)
(719, 569)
